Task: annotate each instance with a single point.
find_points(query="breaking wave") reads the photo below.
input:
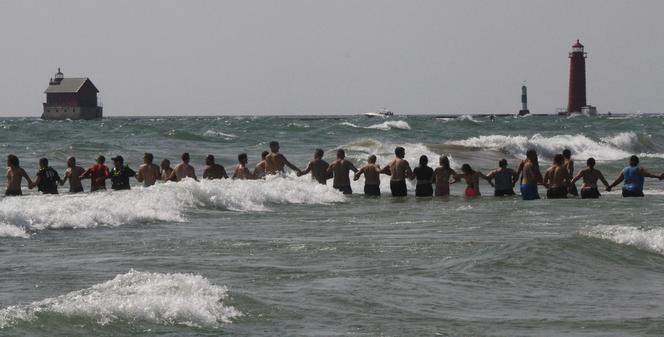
(385, 126)
(616, 147)
(163, 202)
(213, 133)
(167, 299)
(647, 239)
(388, 125)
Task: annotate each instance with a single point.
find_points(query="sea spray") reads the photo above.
(167, 299)
(159, 203)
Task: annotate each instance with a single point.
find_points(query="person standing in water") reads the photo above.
(371, 173)
(183, 170)
(73, 174)
(213, 170)
(148, 173)
(441, 177)
(15, 174)
(259, 171)
(318, 168)
(472, 179)
(634, 178)
(556, 179)
(530, 176)
(340, 169)
(569, 166)
(503, 178)
(424, 175)
(166, 170)
(241, 171)
(399, 170)
(97, 174)
(590, 176)
(120, 174)
(47, 178)
(275, 161)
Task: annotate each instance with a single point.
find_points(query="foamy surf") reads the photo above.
(384, 126)
(160, 203)
(167, 299)
(606, 149)
(647, 239)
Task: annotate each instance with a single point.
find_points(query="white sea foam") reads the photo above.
(213, 133)
(168, 299)
(163, 202)
(349, 124)
(389, 125)
(611, 148)
(646, 239)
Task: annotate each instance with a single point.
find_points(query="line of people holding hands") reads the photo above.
(559, 180)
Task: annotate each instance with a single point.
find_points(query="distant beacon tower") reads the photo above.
(71, 98)
(577, 79)
(524, 101)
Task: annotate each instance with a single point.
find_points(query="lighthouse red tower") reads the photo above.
(577, 79)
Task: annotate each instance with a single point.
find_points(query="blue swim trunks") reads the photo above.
(529, 192)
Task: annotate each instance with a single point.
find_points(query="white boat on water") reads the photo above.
(382, 112)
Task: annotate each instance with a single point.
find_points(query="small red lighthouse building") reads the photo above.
(71, 98)
(576, 102)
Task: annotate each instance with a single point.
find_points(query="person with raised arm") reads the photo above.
(241, 171)
(503, 178)
(275, 161)
(183, 170)
(590, 176)
(634, 179)
(556, 179)
(399, 170)
(98, 173)
(318, 168)
(148, 173)
(371, 173)
(47, 179)
(213, 170)
(442, 175)
(424, 175)
(72, 174)
(15, 175)
(339, 169)
(472, 179)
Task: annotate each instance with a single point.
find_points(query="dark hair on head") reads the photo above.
(633, 160)
(467, 169)
(43, 162)
(101, 159)
(72, 160)
(242, 156)
(567, 153)
(274, 143)
(12, 160)
(185, 156)
(502, 163)
(445, 162)
(559, 159)
(372, 158)
(531, 153)
(210, 158)
(148, 156)
(341, 153)
(264, 154)
(590, 162)
(399, 151)
(318, 153)
(165, 161)
(424, 160)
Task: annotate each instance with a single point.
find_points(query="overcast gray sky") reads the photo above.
(331, 57)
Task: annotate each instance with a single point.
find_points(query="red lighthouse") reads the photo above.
(577, 79)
